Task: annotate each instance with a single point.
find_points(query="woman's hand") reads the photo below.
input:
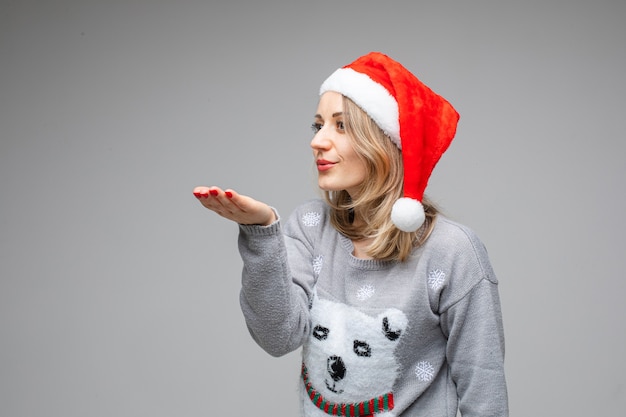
(236, 207)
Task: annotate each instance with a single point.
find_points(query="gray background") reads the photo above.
(119, 293)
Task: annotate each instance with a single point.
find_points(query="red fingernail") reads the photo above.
(229, 194)
(197, 195)
(213, 193)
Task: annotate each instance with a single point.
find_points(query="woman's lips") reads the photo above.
(324, 165)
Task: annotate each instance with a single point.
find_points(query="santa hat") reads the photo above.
(418, 121)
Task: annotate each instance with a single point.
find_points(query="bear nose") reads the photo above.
(336, 368)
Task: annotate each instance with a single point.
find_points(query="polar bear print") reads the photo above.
(349, 361)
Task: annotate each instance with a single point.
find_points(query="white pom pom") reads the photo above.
(407, 214)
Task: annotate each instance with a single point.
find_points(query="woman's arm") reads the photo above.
(475, 351)
(277, 279)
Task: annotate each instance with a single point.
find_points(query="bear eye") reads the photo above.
(362, 349)
(320, 332)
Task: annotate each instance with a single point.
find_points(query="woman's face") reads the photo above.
(339, 167)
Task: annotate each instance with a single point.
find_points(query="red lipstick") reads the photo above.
(324, 165)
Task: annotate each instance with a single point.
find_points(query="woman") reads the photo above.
(395, 306)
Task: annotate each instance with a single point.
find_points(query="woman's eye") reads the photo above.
(316, 127)
(340, 126)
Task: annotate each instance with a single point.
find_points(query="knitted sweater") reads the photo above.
(416, 338)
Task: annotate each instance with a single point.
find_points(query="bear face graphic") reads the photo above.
(349, 356)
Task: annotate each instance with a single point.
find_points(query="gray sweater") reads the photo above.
(416, 338)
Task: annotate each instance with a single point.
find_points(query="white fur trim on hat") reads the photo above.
(408, 214)
(370, 96)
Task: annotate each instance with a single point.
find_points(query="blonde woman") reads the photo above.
(395, 307)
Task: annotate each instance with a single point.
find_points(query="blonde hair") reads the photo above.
(368, 214)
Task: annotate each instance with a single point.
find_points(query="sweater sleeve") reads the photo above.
(475, 351)
(276, 286)
(471, 320)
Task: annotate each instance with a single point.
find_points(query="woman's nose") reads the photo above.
(320, 141)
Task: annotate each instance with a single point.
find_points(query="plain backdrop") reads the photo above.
(119, 292)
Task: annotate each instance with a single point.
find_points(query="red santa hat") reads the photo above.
(418, 121)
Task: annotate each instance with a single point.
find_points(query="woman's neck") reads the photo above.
(361, 247)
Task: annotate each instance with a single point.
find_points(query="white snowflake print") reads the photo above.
(424, 371)
(436, 278)
(318, 262)
(311, 219)
(365, 292)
